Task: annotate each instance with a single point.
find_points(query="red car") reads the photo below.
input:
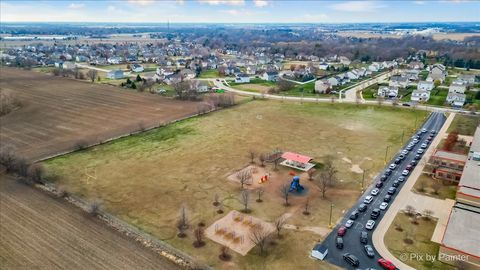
(409, 167)
(341, 231)
(386, 264)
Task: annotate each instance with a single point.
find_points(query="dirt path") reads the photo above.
(38, 232)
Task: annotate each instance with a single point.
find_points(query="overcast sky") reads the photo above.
(239, 11)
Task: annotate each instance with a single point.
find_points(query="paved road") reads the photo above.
(91, 67)
(351, 92)
(352, 237)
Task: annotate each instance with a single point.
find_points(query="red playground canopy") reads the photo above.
(296, 157)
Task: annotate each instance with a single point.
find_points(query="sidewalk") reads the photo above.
(440, 208)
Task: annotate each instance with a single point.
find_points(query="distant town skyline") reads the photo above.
(239, 11)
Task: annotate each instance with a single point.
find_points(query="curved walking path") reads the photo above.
(440, 208)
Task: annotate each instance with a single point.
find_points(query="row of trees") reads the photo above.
(14, 164)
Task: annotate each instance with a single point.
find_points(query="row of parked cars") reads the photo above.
(376, 212)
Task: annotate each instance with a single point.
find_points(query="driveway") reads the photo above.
(351, 93)
(440, 208)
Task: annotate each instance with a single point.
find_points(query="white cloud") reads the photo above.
(76, 6)
(260, 3)
(111, 8)
(223, 2)
(141, 2)
(419, 2)
(357, 6)
(315, 17)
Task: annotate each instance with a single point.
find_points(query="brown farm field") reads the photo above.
(57, 113)
(146, 178)
(41, 232)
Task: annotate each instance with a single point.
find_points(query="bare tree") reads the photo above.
(307, 205)
(216, 200)
(262, 158)
(285, 192)
(252, 154)
(245, 199)
(8, 158)
(436, 187)
(427, 214)
(259, 237)
(199, 236)
(327, 177)
(220, 208)
(310, 173)
(225, 253)
(421, 186)
(410, 210)
(380, 100)
(244, 176)
(260, 192)
(279, 223)
(182, 222)
(35, 173)
(94, 207)
(92, 75)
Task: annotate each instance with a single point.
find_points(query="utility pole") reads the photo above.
(363, 179)
(403, 134)
(386, 153)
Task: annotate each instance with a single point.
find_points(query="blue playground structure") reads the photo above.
(295, 184)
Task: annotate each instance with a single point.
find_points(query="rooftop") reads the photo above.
(471, 173)
(462, 229)
(450, 155)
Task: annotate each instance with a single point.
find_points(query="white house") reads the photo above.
(456, 99)
(388, 91)
(353, 75)
(425, 86)
(165, 71)
(323, 66)
(437, 72)
(420, 95)
(322, 87)
(270, 76)
(242, 78)
(333, 81)
(319, 252)
(374, 67)
(115, 74)
(187, 74)
(64, 65)
(398, 81)
(457, 88)
(466, 78)
(201, 87)
(137, 68)
(114, 60)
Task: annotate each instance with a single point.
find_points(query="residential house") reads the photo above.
(374, 67)
(64, 65)
(114, 60)
(165, 71)
(437, 72)
(455, 87)
(322, 87)
(388, 91)
(242, 78)
(81, 58)
(115, 74)
(137, 68)
(420, 96)
(344, 60)
(398, 81)
(411, 75)
(446, 165)
(333, 81)
(251, 70)
(425, 86)
(468, 79)
(416, 65)
(456, 99)
(353, 75)
(187, 74)
(323, 66)
(201, 87)
(271, 76)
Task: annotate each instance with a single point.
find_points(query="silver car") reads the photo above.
(370, 224)
(383, 206)
(375, 191)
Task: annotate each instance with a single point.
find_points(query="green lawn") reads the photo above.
(465, 124)
(209, 74)
(438, 97)
(425, 186)
(397, 239)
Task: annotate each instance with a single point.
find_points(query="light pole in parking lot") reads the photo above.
(363, 180)
(330, 222)
(386, 153)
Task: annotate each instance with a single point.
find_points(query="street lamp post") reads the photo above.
(330, 222)
(386, 153)
(363, 180)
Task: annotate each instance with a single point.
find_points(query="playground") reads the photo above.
(145, 179)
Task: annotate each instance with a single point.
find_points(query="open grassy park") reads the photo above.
(145, 179)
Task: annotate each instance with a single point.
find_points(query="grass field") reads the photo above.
(420, 234)
(438, 97)
(208, 74)
(146, 178)
(446, 190)
(465, 124)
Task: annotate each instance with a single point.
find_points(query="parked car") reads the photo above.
(401, 178)
(368, 199)
(405, 172)
(383, 206)
(370, 224)
(375, 213)
(424, 130)
(420, 151)
(339, 242)
(409, 147)
(364, 237)
(369, 251)
(397, 161)
(392, 190)
(388, 172)
(349, 223)
(387, 198)
(423, 145)
(379, 184)
(396, 183)
(362, 207)
(417, 157)
(433, 131)
(351, 259)
(375, 191)
(427, 141)
(383, 178)
(405, 152)
(342, 231)
(415, 141)
(413, 163)
(392, 166)
(354, 215)
(402, 157)
(386, 264)
(409, 167)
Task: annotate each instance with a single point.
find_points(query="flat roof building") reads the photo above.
(469, 186)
